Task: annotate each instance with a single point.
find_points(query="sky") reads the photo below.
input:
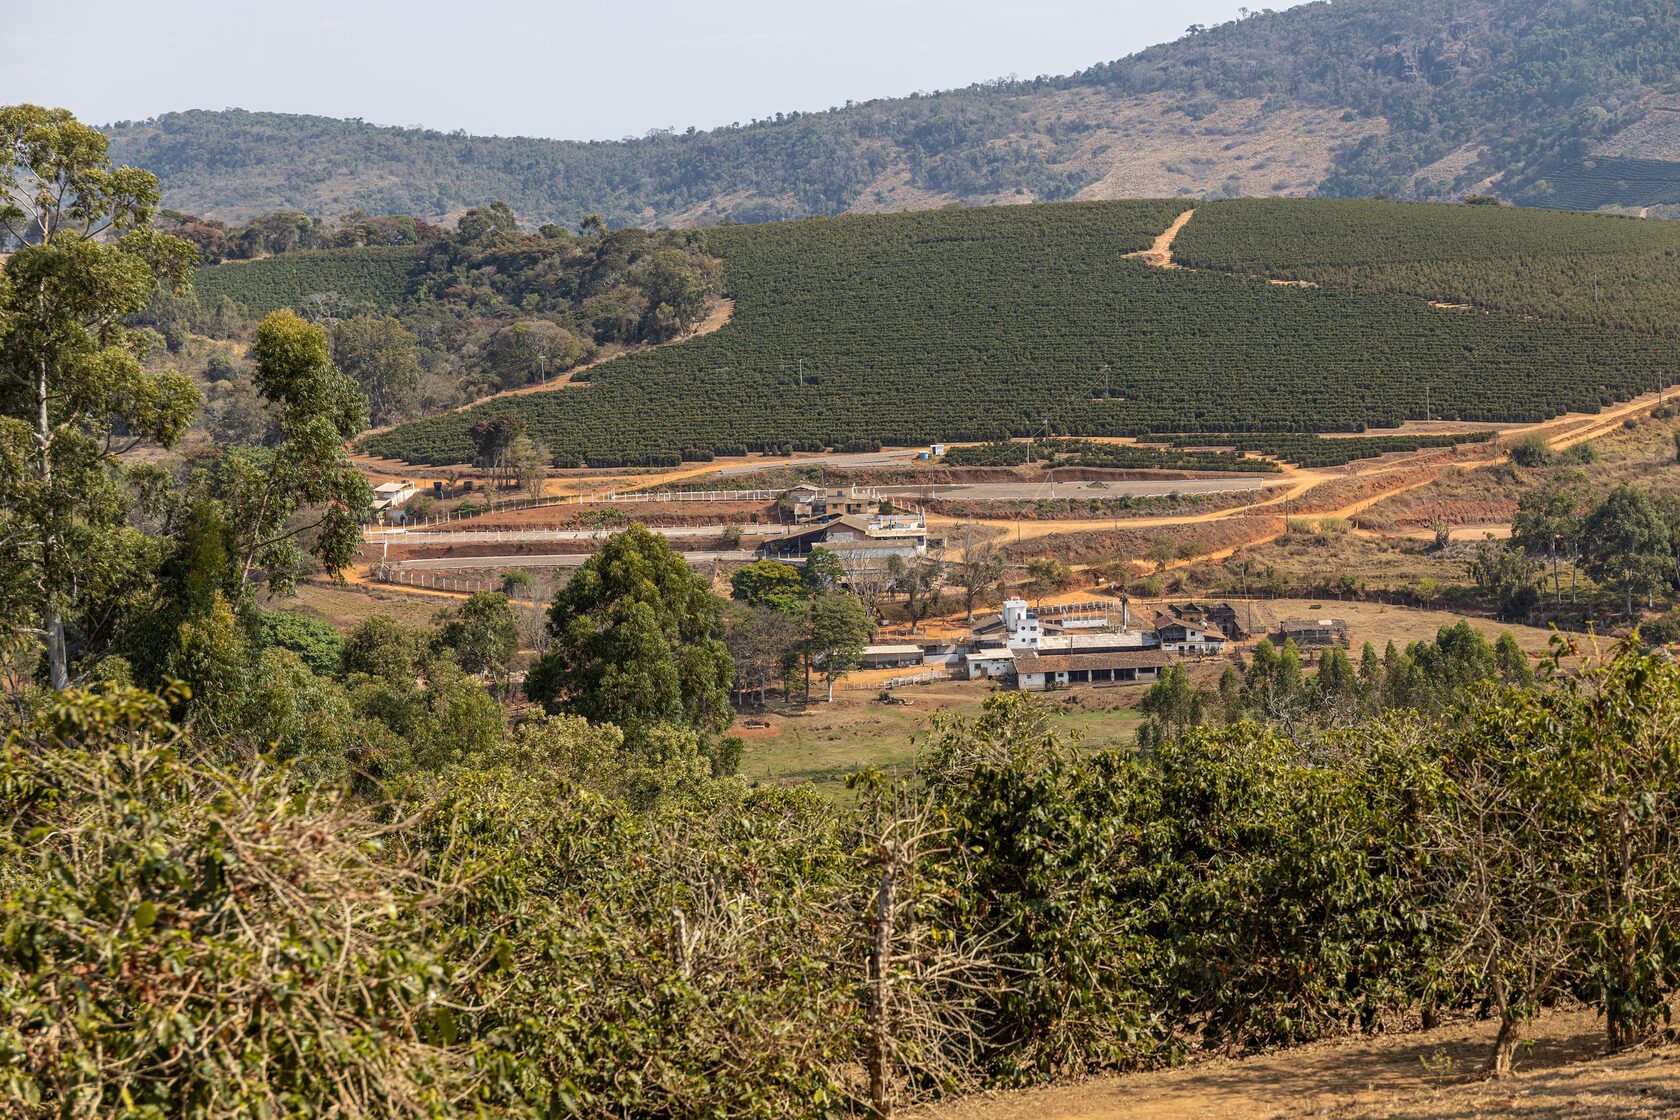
(566, 70)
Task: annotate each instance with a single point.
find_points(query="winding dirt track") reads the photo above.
(722, 311)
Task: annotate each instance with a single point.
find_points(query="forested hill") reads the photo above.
(1545, 102)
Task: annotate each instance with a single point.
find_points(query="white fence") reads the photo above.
(431, 581)
(899, 682)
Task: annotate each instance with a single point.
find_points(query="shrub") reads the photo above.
(1531, 452)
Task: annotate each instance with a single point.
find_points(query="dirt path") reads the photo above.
(722, 311)
(1159, 255)
(1425, 1074)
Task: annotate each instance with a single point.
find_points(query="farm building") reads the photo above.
(891, 657)
(390, 495)
(1038, 672)
(991, 663)
(813, 503)
(861, 543)
(1223, 617)
(1181, 635)
(1314, 633)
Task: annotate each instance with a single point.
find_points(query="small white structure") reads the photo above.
(389, 495)
(997, 663)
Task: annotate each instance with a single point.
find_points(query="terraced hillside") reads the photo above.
(979, 324)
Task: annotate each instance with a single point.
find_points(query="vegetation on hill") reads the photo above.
(451, 316)
(1601, 270)
(369, 277)
(1515, 91)
(1016, 321)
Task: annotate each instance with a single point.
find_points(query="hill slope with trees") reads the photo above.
(1547, 102)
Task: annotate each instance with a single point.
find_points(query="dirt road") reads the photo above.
(1428, 1074)
(1159, 255)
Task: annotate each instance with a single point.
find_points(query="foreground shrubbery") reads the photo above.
(506, 933)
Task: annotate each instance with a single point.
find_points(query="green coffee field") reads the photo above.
(981, 324)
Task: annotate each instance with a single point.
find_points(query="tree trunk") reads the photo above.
(52, 621)
(1621, 1032)
(1510, 1029)
(880, 959)
(58, 660)
(1504, 1046)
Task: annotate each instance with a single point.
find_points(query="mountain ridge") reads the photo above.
(1421, 99)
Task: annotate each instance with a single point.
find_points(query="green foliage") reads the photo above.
(175, 931)
(377, 278)
(767, 583)
(1531, 452)
(1627, 544)
(1318, 451)
(481, 635)
(960, 347)
(838, 632)
(1086, 453)
(304, 482)
(1603, 271)
(636, 641)
(74, 394)
(569, 920)
(316, 643)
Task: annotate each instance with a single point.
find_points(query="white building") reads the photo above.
(1039, 672)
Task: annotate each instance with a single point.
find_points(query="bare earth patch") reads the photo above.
(1428, 1075)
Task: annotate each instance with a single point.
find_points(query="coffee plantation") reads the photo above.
(986, 324)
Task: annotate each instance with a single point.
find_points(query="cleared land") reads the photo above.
(1426, 1075)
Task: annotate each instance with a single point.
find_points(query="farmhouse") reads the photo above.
(1314, 633)
(390, 495)
(1222, 617)
(862, 543)
(1038, 672)
(813, 503)
(1182, 635)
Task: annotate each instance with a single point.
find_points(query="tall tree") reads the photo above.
(1627, 543)
(493, 438)
(840, 630)
(636, 641)
(767, 583)
(980, 568)
(301, 497)
(73, 393)
(382, 357)
(1548, 520)
(481, 635)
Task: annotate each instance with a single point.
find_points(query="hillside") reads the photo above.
(1549, 102)
(976, 324)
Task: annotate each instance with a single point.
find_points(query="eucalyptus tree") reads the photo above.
(75, 395)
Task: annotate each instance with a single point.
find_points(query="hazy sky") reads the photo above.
(562, 69)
